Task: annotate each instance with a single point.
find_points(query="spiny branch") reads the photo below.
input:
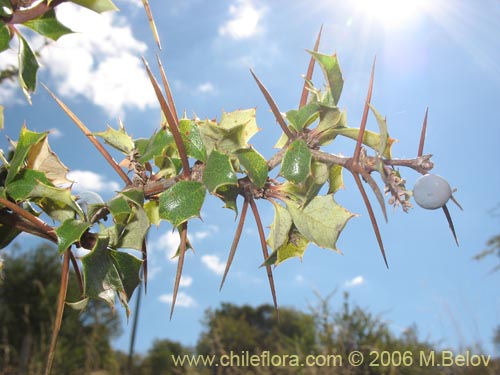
(180, 265)
(310, 71)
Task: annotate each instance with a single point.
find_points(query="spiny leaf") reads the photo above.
(332, 72)
(48, 26)
(321, 221)
(296, 164)
(295, 246)
(118, 139)
(182, 202)
(128, 267)
(98, 6)
(129, 234)
(149, 149)
(218, 172)
(28, 67)
(280, 227)
(152, 209)
(303, 117)
(370, 139)
(383, 133)
(27, 139)
(335, 179)
(133, 195)
(192, 139)
(70, 232)
(41, 158)
(255, 165)
(120, 209)
(228, 194)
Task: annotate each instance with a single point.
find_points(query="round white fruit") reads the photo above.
(431, 191)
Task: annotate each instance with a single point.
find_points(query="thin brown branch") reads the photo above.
(21, 16)
(274, 108)
(91, 138)
(376, 190)
(265, 253)
(422, 134)
(170, 98)
(11, 219)
(37, 223)
(371, 214)
(236, 240)
(170, 121)
(78, 274)
(60, 310)
(364, 119)
(310, 71)
(180, 265)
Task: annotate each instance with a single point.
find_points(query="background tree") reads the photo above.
(28, 294)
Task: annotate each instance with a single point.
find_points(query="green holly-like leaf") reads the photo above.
(321, 221)
(305, 116)
(383, 132)
(4, 37)
(48, 26)
(370, 139)
(296, 165)
(295, 246)
(41, 158)
(98, 6)
(118, 139)
(182, 202)
(5, 8)
(28, 67)
(70, 232)
(232, 133)
(120, 209)
(107, 272)
(333, 74)
(335, 179)
(155, 146)
(21, 187)
(330, 118)
(152, 209)
(280, 227)
(228, 194)
(254, 164)
(192, 140)
(133, 195)
(129, 234)
(218, 172)
(27, 139)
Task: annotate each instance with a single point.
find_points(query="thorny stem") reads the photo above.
(310, 71)
(180, 265)
(422, 134)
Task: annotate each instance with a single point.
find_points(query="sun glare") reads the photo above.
(391, 13)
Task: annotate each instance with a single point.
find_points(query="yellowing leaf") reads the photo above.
(42, 158)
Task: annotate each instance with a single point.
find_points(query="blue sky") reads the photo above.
(440, 54)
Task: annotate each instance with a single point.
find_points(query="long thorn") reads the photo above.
(170, 121)
(180, 265)
(170, 98)
(236, 240)
(78, 274)
(265, 253)
(91, 137)
(60, 310)
(310, 71)
(450, 223)
(380, 198)
(422, 134)
(274, 108)
(152, 24)
(372, 216)
(364, 119)
(144, 251)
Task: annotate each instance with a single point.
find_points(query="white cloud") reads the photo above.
(88, 180)
(168, 243)
(186, 281)
(100, 62)
(213, 263)
(245, 20)
(205, 88)
(183, 300)
(357, 281)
